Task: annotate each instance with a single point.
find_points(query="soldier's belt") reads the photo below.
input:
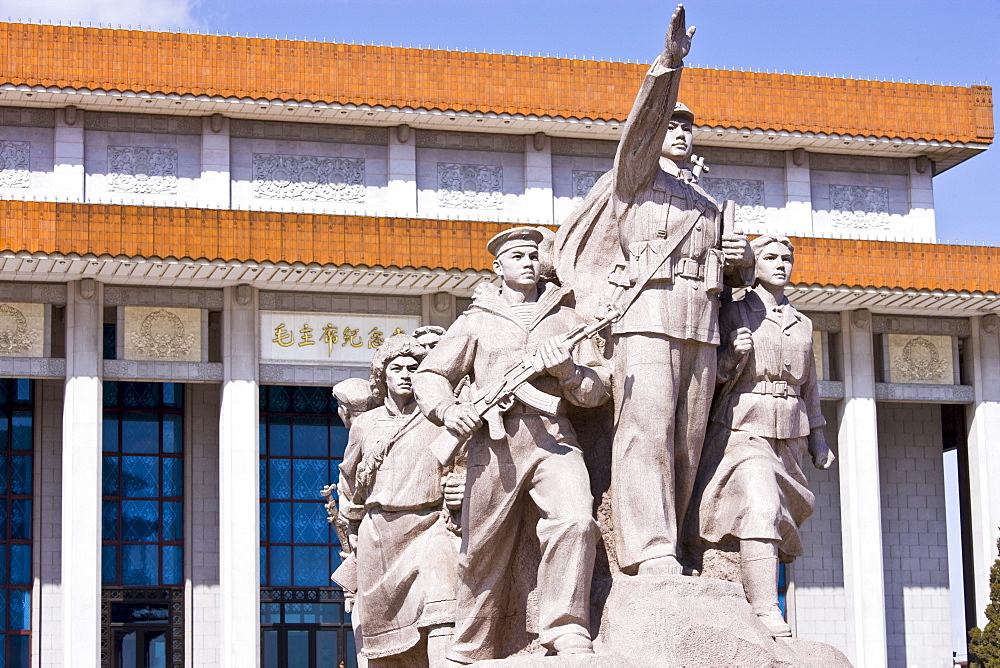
(777, 388)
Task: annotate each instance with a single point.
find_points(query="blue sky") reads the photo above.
(913, 40)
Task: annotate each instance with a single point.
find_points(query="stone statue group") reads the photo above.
(467, 472)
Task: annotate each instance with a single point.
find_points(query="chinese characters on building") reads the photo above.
(327, 337)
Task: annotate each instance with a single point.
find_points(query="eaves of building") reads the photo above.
(50, 241)
(162, 72)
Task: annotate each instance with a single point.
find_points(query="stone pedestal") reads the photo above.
(684, 621)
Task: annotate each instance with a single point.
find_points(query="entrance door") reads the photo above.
(140, 635)
(141, 647)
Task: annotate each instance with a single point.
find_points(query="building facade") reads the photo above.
(200, 235)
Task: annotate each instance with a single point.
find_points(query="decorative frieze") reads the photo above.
(22, 329)
(893, 324)
(860, 164)
(583, 148)
(583, 181)
(27, 118)
(470, 186)
(308, 178)
(149, 370)
(15, 171)
(921, 359)
(327, 338)
(155, 333)
(953, 394)
(470, 141)
(860, 207)
(33, 367)
(831, 389)
(824, 322)
(112, 121)
(311, 374)
(117, 295)
(142, 170)
(747, 193)
(741, 157)
(320, 132)
(339, 303)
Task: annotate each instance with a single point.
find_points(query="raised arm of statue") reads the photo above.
(642, 140)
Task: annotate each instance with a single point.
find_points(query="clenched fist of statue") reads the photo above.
(736, 248)
(820, 452)
(743, 341)
(462, 419)
(454, 490)
(556, 359)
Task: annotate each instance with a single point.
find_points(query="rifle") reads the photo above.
(346, 574)
(492, 402)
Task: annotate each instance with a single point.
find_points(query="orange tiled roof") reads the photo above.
(477, 82)
(405, 242)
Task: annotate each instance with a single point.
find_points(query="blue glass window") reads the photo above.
(143, 484)
(16, 487)
(302, 444)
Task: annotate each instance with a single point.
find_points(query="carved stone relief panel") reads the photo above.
(747, 193)
(22, 329)
(14, 167)
(309, 178)
(470, 186)
(583, 181)
(154, 333)
(921, 359)
(862, 207)
(142, 170)
(23, 117)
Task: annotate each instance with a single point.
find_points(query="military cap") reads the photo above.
(682, 110)
(513, 238)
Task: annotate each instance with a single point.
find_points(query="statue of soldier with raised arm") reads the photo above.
(664, 235)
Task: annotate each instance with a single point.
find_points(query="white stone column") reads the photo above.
(984, 458)
(81, 479)
(921, 215)
(539, 204)
(239, 529)
(402, 196)
(215, 181)
(860, 500)
(68, 172)
(798, 193)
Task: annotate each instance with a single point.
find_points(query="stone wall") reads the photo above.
(817, 604)
(47, 603)
(202, 512)
(914, 535)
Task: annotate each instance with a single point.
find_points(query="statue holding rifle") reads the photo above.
(513, 344)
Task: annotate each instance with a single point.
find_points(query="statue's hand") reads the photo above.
(742, 341)
(736, 249)
(556, 359)
(454, 490)
(462, 419)
(821, 454)
(677, 42)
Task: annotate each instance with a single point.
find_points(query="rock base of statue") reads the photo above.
(684, 621)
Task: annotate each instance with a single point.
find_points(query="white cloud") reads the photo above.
(147, 13)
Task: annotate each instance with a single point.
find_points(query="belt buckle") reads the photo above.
(688, 268)
(780, 388)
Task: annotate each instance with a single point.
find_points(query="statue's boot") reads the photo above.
(573, 643)
(438, 641)
(759, 570)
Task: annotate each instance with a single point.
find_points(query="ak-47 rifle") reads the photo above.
(346, 574)
(492, 402)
